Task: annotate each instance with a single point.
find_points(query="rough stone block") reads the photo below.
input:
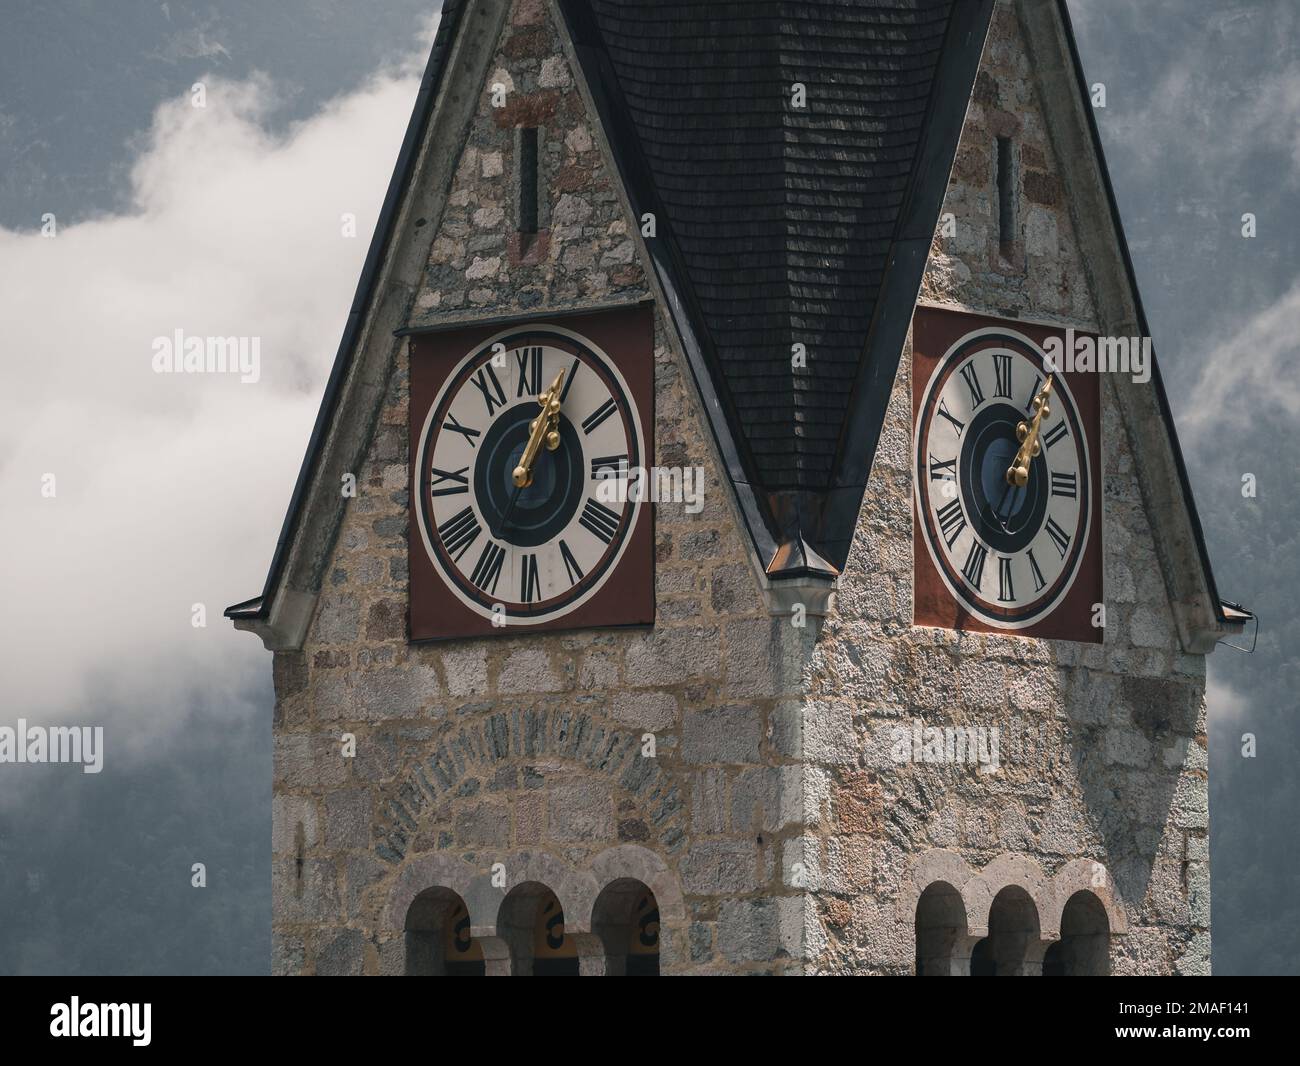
(829, 734)
(286, 813)
(483, 824)
(464, 666)
(749, 930)
(723, 735)
(1195, 959)
(343, 955)
(347, 819)
(1191, 806)
(288, 955)
(766, 799)
(708, 802)
(720, 868)
(1126, 747)
(338, 618)
(528, 670)
(580, 811)
(667, 657)
(653, 711)
(312, 898)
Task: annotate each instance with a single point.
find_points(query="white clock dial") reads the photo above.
(1009, 554)
(538, 552)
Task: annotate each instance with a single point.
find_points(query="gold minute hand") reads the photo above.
(541, 428)
(1027, 434)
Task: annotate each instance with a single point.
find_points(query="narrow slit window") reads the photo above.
(1006, 198)
(528, 180)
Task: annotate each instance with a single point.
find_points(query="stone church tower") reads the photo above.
(743, 531)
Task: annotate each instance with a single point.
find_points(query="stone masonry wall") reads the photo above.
(1104, 746)
(507, 749)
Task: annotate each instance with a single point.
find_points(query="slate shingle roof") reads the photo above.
(782, 225)
(783, 217)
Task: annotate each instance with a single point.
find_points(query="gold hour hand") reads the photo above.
(541, 430)
(1027, 434)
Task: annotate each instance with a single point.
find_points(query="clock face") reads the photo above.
(1007, 554)
(528, 554)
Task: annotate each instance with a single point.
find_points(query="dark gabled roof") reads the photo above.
(783, 216)
(781, 225)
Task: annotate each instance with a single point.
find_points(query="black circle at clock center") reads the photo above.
(543, 509)
(1005, 517)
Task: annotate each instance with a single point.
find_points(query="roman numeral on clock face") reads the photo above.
(1055, 434)
(951, 522)
(598, 416)
(1040, 582)
(956, 424)
(486, 382)
(1006, 589)
(1002, 371)
(973, 571)
(609, 466)
(454, 481)
(571, 566)
(464, 431)
(529, 586)
(459, 532)
(1065, 485)
(568, 380)
(973, 383)
(1059, 537)
(530, 371)
(488, 569)
(943, 470)
(600, 520)
(1029, 403)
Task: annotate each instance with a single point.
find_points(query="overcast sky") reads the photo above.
(170, 490)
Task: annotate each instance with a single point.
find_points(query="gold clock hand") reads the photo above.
(542, 429)
(1027, 434)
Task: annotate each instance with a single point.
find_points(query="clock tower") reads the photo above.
(704, 562)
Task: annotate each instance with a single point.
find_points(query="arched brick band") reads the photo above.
(480, 748)
(978, 890)
(577, 890)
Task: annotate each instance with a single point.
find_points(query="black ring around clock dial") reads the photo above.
(1008, 518)
(544, 508)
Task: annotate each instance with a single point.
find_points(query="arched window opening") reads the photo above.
(532, 922)
(942, 946)
(1014, 938)
(626, 919)
(438, 941)
(1084, 947)
(981, 960)
(463, 955)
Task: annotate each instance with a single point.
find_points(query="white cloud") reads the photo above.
(1253, 370)
(1227, 118)
(171, 488)
(1225, 705)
